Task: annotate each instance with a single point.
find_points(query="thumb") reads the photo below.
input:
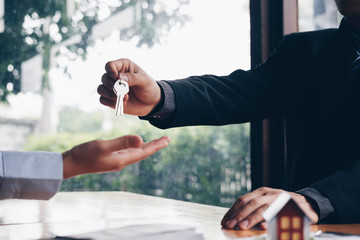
(141, 80)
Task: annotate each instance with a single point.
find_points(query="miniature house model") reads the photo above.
(286, 220)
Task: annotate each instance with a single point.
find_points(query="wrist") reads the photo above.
(159, 105)
(67, 169)
(166, 106)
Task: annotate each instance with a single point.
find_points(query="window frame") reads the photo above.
(269, 21)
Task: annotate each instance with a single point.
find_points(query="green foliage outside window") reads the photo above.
(201, 164)
(71, 120)
(36, 27)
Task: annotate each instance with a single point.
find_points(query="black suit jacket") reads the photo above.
(303, 81)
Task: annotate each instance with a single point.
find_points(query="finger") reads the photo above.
(108, 81)
(240, 203)
(117, 144)
(240, 215)
(106, 93)
(253, 218)
(138, 79)
(246, 210)
(107, 102)
(146, 150)
(249, 203)
(156, 144)
(113, 68)
(306, 206)
(264, 225)
(121, 65)
(266, 196)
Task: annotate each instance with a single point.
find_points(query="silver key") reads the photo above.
(120, 89)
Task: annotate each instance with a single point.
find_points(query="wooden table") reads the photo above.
(70, 213)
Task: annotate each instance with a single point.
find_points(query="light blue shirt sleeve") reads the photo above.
(30, 175)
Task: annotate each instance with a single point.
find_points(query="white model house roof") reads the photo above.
(277, 205)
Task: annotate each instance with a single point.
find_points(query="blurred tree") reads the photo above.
(73, 120)
(208, 165)
(34, 27)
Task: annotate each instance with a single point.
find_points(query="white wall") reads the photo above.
(14, 133)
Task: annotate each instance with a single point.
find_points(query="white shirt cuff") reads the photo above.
(30, 175)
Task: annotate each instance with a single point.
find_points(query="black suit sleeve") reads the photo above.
(320, 203)
(240, 97)
(343, 188)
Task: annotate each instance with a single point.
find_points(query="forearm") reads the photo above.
(218, 100)
(214, 100)
(30, 175)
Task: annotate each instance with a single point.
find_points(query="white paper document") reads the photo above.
(144, 232)
(335, 236)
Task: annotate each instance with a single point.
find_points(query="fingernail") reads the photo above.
(244, 224)
(231, 223)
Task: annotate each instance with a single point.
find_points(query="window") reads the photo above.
(295, 236)
(285, 236)
(202, 164)
(318, 14)
(296, 223)
(285, 223)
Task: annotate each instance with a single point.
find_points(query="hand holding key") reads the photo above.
(144, 93)
(121, 88)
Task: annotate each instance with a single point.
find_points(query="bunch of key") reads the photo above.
(121, 88)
